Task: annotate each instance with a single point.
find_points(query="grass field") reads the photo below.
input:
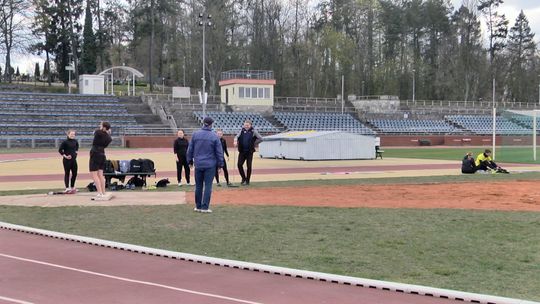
(503, 154)
(486, 252)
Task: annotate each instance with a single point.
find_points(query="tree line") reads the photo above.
(381, 47)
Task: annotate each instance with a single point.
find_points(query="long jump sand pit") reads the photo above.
(126, 198)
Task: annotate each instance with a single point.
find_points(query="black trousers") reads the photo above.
(70, 166)
(225, 172)
(182, 164)
(244, 157)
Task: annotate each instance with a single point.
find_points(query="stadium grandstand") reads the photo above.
(41, 120)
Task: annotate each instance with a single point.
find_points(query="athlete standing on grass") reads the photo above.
(68, 149)
(102, 138)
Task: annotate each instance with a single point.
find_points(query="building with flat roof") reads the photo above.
(247, 88)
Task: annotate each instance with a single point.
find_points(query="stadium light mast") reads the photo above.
(413, 85)
(204, 20)
(494, 120)
(342, 94)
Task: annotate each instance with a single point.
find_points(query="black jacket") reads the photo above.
(467, 165)
(101, 140)
(180, 146)
(69, 147)
(254, 138)
(224, 146)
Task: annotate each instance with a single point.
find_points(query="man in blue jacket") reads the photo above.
(206, 153)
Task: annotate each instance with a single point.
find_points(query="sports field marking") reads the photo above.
(127, 280)
(14, 300)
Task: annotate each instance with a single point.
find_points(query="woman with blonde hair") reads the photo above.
(68, 149)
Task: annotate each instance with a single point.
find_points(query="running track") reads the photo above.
(39, 269)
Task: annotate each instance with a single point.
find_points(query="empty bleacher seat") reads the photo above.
(296, 121)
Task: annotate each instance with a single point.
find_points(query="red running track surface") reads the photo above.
(38, 269)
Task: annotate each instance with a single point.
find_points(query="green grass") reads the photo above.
(503, 154)
(477, 251)
(337, 182)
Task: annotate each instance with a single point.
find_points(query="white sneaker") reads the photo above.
(206, 210)
(179, 184)
(67, 190)
(197, 210)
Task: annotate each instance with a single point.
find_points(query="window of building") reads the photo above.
(261, 92)
(248, 93)
(241, 92)
(253, 92)
(267, 93)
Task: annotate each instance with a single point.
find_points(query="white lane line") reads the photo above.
(130, 280)
(14, 300)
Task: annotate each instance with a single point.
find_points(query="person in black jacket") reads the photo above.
(102, 139)
(68, 149)
(219, 133)
(246, 140)
(467, 165)
(180, 147)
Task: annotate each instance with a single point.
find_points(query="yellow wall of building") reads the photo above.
(234, 95)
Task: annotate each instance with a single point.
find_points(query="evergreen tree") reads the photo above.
(17, 73)
(521, 50)
(89, 51)
(37, 73)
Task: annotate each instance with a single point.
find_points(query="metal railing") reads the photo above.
(247, 74)
(311, 108)
(468, 104)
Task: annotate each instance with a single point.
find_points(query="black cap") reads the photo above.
(208, 121)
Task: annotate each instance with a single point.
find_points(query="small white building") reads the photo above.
(92, 84)
(314, 145)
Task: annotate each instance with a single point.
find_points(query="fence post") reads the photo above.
(8, 143)
(33, 143)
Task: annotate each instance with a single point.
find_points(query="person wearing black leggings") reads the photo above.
(68, 149)
(246, 140)
(180, 147)
(219, 133)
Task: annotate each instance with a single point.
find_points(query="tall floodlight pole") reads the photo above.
(413, 85)
(204, 20)
(494, 119)
(342, 94)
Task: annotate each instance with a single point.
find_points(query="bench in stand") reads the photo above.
(142, 175)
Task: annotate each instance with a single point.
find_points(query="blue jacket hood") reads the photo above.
(205, 149)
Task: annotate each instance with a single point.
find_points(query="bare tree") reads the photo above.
(13, 20)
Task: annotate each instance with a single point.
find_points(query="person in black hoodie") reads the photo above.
(246, 140)
(68, 149)
(180, 147)
(467, 165)
(219, 133)
(102, 139)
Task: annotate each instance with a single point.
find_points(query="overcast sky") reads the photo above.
(510, 8)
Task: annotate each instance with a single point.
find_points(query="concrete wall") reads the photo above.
(380, 105)
(386, 141)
